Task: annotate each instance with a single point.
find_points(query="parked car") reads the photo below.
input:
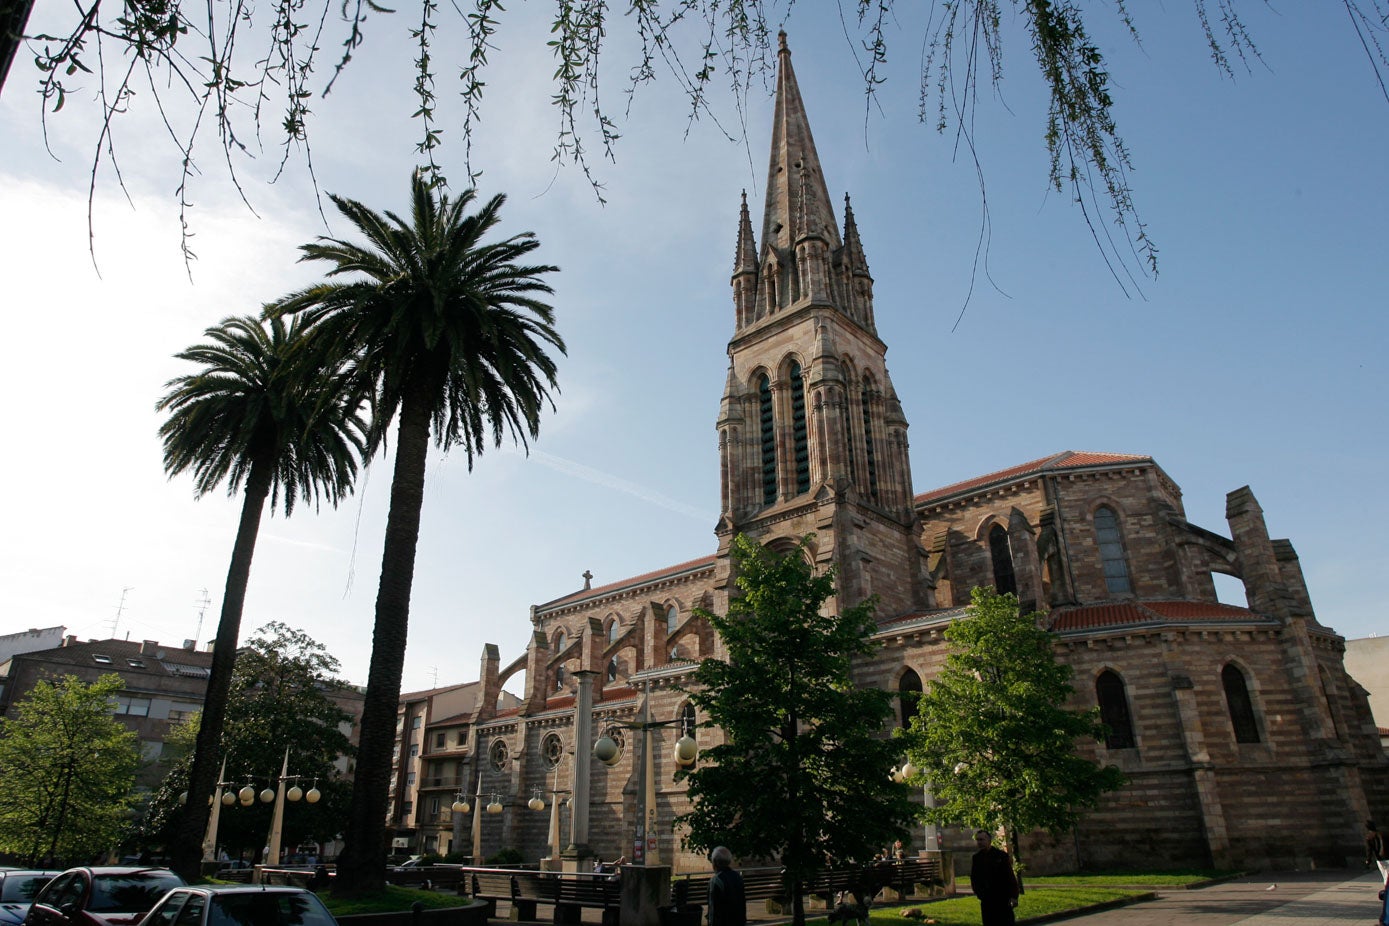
(18, 887)
(239, 905)
(114, 896)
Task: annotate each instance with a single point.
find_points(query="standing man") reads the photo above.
(1376, 852)
(992, 880)
(727, 904)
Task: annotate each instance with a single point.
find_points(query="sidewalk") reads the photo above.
(1285, 898)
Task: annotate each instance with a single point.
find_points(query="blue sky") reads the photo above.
(1256, 357)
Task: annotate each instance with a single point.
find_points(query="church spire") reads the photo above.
(745, 269)
(794, 157)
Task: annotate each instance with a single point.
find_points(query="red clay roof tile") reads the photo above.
(1057, 462)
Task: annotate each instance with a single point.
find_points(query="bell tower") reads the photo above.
(812, 438)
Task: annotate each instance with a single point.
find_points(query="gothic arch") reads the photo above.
(909, 691)
(1240, 701)
(1107, 521)
(1116, 710)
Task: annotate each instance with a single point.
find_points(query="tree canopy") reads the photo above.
(253, 414)
(281, 695)
(802, 775)
(66, 772)
(454, 337)
(240, 68)
(993, 737)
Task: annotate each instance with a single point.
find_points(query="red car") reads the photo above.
(100, 896)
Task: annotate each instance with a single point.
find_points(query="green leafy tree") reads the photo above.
(67, 768)
(450, 331)
(993, 737)
(280, 697)
(962, 45)
(254, 415)
(803, 773)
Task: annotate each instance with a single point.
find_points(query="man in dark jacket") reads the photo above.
(992, 880)
(727, 904)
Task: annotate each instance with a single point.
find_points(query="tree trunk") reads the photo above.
(186, 850)
(362, 865)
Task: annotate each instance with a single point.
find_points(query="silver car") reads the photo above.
(239, 905)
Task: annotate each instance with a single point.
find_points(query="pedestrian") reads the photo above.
(992, 880)
(1376, 852)
(727, 904)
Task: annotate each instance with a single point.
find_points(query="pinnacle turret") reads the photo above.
(745, 258)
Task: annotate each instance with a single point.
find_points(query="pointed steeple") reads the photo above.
(853, 247)
(745, 259)
(793, 151)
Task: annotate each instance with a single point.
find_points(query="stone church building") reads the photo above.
(1245, 742)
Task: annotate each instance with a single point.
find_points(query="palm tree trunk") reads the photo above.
(186, 851)
(362, 865)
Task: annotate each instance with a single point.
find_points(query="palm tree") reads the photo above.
(452, 336)
(255, 415)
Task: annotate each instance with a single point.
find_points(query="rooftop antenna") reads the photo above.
(115, 621)
(434, 670)
(202, 604)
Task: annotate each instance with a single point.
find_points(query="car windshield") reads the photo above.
(132, 892)
(269, 908)
(22, 888)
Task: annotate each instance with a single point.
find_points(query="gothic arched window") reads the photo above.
(1116, 568)
(561, 641)
(1240, 705)
(1005, 582)
(687, 720)
(559, 678)
(672, 619)
(1114, 710)
(869, 455)
(798, 430)
(612, 670)
(614, 630)
(909, 695)
(767, 430)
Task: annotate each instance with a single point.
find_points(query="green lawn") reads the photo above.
(390, 900)
(964, 911)
(1189, 877)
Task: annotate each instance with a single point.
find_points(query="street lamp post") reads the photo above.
(277, 819)
(645, 848)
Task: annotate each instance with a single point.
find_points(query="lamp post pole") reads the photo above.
(210, 839)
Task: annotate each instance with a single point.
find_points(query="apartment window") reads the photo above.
(1114, 710)
(101, 658)
(410, 779)
(132, 705)
(414, 750)
(136, 663)
(439, 740)
(416, 721)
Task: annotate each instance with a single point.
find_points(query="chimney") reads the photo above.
(147, 647)
(210, 644)
(70, 640)
(190, 645)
